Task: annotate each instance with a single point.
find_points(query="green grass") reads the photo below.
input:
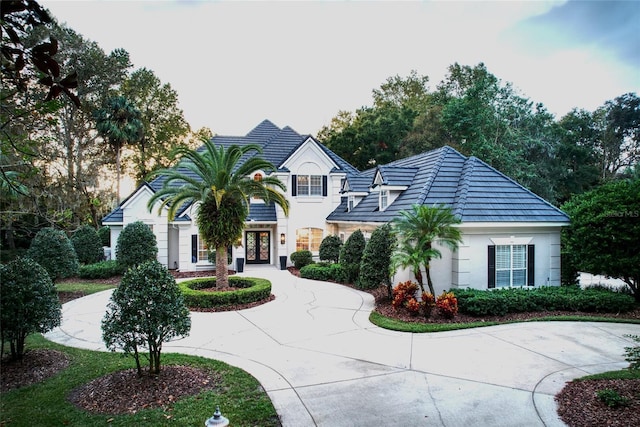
(398, 325)
(85, 288)
(624, 374)
(240, 396)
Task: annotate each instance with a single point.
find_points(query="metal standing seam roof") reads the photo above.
(475, 191)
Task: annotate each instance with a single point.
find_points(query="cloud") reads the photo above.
(612, 27)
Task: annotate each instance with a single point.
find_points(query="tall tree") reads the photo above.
(217, 181)
(577, 156)
(419, 229)
(374, 135)
(119, 123)
(605, 230)
(164, 123)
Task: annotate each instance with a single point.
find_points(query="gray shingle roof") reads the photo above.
(262, 212)
(277, 146)
(474, 190)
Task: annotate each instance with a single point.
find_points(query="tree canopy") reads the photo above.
(605, 230)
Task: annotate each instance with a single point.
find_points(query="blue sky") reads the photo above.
(234, 64)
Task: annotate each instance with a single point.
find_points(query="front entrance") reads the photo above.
(258, 244)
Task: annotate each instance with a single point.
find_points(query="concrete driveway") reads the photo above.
(323, 363)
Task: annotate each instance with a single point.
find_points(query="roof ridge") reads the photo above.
(463, 186)
(433, 172)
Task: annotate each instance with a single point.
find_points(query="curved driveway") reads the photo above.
(323, 363)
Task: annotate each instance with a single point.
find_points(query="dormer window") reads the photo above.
(351, 202)
(384, 199)
(257, 177)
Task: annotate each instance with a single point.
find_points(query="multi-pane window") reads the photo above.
(203, 250)
(384, 199)
(308, 239)
(309, 185)
(511, 265)
(352, 203)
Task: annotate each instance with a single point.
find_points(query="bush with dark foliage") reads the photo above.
(376, 259)
(351, 255)
(53, 250)
(301, 258)
(87, 245)
(136, 245)
(28, 303)
(330, 248)
(146, 310)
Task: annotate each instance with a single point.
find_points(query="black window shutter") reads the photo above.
(324, 185)
(491, 270)
(294, 185)
(531, 265)
(194, 248)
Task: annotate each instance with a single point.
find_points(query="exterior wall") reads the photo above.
(467, 267)
(306, 211)
(470, 262)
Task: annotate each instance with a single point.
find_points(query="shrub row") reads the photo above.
(253, 289)
(323, 271)
(565, 298)
(101, 270)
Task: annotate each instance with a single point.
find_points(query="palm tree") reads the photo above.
(217, 180)
(418, 230)
(120, 124)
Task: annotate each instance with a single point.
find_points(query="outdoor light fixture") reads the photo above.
(282, 238)
(217, 420)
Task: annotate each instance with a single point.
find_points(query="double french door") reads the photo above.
(258, 247)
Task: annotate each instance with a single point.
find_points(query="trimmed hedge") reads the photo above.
(101, 270)
(549, 298)
(322, 271)
(253, 289)
(301, 258)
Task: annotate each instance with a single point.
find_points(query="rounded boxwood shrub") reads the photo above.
(301, 258)
(28, 303)
(136, 245)
(330, 248)
(87, 245)
(252, 290)
(53, 250)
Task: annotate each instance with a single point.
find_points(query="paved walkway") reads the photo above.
(324, 364)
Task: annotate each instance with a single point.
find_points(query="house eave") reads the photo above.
(511, 224)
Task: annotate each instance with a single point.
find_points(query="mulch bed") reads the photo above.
(124, 392)
(35, 366)
(579, 406)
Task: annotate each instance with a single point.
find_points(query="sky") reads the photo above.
(298, 63)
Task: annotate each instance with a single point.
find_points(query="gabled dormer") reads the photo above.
(390, 182)
(310, 167)
(355, 188)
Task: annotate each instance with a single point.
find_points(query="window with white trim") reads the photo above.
(384, 199)
(309, 185)
(203, 250)
(308, 239)
(511, 265)
(351, 203)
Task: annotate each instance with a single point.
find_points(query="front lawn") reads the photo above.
(239, 395)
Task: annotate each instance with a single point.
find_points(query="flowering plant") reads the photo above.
(447, 305)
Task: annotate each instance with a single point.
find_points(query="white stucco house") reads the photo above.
(511, 236)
